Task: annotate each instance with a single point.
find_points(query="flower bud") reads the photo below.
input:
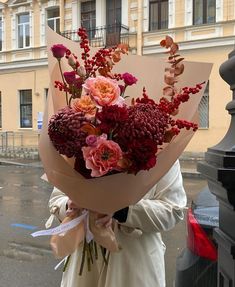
(71, 61)
(58, 51)
(81, 71)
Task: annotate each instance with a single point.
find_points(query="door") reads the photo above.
(113, 21)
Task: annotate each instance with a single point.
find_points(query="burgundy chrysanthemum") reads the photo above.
(111, 118)
(145, 121)
(65, 133)
(142, 155)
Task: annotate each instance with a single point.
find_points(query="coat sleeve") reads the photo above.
(57, 203)
(165, 209)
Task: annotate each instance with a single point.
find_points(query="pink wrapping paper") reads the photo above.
(110, 193)
(66, 244)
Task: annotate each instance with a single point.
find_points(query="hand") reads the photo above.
(72, 209)
(105, 220)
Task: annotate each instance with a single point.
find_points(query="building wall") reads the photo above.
(203, 43)
(11, 83)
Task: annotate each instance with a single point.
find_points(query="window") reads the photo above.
(53, 19)
(1, 31)
(46, 90)
(204, 109)
(158, 14)
(26, 108)
(204, 11)
(23, 31)
(0, 110)
(88, 19)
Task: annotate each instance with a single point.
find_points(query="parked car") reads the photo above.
(196, 266)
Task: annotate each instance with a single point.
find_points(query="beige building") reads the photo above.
(204, 29)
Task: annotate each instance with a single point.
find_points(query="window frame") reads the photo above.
(204, 13)
(205, 98)
(53, 18)
(1, 33)
(22, 106)
(91, 30)
(159, 20)
(0, 110)
(24, 25)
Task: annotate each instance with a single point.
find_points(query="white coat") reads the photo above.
(140, 263)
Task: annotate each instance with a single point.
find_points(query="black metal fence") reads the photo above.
(15, 140)
(105, 36)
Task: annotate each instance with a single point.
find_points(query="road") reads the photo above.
(27, 261)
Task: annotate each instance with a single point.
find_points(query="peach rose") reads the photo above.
(104, 91)
(102, 157)
(86, 105)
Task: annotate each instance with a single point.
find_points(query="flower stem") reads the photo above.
(62, 75)
(66, 263)
(103, 252)
(83, 257)
(96, 252)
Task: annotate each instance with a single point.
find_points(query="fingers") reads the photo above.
(105, 221)
(73, 209)
(72, 205)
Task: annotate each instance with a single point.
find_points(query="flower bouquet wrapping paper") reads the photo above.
(109, 193)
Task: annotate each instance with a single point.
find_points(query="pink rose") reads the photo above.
(58, 51)
(91, 140)
(129, 79)
(70, 77)
(104, 91)
(103, 157)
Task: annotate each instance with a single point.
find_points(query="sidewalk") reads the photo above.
(188, 167)
(21, 162)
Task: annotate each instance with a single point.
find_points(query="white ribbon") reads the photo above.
(60, 263)
(64, 227)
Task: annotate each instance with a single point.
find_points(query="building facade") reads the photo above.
(204, 29)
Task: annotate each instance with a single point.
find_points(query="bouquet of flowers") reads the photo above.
(98, 128)
(105, 143)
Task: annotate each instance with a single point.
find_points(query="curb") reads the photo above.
(190, 173)
(7, 163)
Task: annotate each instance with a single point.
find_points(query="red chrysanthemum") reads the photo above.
(111, 118)
(141, 154)
(145, 121)
(65, 132)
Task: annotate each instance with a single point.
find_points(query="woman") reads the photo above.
(140, 262)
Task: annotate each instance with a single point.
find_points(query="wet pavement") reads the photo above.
(24, 261)
(27, 261)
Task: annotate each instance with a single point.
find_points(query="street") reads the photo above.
(27, 261)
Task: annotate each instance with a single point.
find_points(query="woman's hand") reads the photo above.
(105, 220)
(72, 209)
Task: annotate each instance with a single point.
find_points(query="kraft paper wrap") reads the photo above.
(66, 244)
(110, 193)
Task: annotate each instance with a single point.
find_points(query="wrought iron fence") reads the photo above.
(105, 36)
(15, 140)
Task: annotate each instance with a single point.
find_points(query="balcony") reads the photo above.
(105, 36)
